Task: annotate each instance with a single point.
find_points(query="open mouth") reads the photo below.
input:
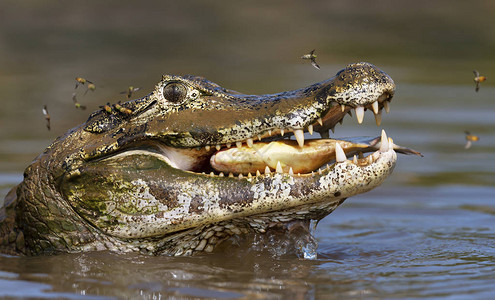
(279, 150)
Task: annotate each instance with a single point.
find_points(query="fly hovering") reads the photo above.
(470, 138)
(478, 79)
(47, 116)
(311, 56)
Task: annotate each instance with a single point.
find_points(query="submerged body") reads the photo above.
(141, 177)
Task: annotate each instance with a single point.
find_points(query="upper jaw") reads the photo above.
(232, 119)
(319, 108)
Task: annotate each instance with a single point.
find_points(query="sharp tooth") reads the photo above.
(319, 171)
(349, 113)
(249, 142)
(291, 172)
(279, 168)
(342, 106)
(259, 137)
(374, 105)
(386, 106)
(269, 132)
(218, 147)
(258, 173)
(249, 175)
(341, 121)
(299, 134)
(320, 121)
(240, 176)
(378, 118)
(238, 144)
(281, 132)
(384, 142)
(370, 159)
(212, 174)
(360, 114)
(339, 153)
(231, 175)
(310, 129)
(267, 170)
(354, 160)
(332, 129)
(390, 143)
(229, 145)
(207, 148)
(221, 174)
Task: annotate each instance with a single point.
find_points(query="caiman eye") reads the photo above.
(175, 92)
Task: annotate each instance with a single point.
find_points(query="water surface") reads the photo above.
(427, 232)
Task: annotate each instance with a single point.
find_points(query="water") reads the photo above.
(427, 232)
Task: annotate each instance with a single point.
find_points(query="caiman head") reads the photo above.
(192, 164)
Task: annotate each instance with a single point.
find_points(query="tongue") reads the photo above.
(314, 154)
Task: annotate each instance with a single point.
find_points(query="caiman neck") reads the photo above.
(11, 237)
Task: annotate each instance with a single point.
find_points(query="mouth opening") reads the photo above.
(281, 150)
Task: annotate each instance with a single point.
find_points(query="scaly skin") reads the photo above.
(131, 179)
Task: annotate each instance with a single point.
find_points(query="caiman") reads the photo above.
(193, 164)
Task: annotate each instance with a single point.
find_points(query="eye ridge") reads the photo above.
(175, 92)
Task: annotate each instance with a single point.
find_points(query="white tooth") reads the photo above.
(231, 175)
(319, 171)
(378, 118)
(342, 106)
(229, 145)
(386, 106)
(384, 142)
(249, 175)
(238, 144)
(312, 173)
(291, 172)
(249, 142)
(269, 132)
(339, 153)
(374, 105)
(354, 160)
(212, 174)
(267, 170)
(258, 173)
(299, 134)
(279, 168)
(218, 147)
(259, 137)
(221, 174)
(390, 143)
(320, 121)
(207, 148)
(240, 176)
(310, 129)
(281, 132)
(360, 114)
(370, 159)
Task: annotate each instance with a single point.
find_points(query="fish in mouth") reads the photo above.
(193, 164)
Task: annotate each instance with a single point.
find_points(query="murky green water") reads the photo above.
(428, 232)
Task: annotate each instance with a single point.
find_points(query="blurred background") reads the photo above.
(430, 49)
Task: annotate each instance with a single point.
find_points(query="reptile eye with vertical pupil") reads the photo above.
(174, 92)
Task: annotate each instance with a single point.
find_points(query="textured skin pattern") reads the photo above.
(88, 192)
